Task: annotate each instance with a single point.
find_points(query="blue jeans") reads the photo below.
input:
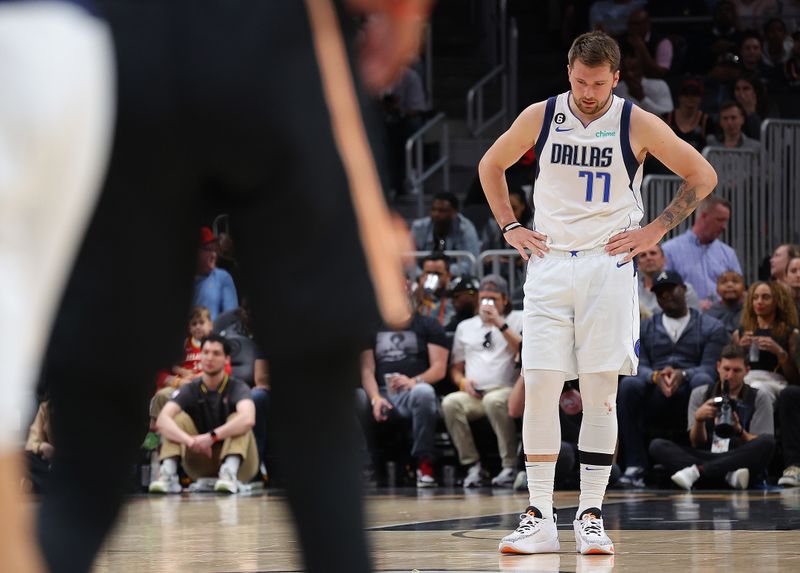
(638, 399)
(261, 398)
(421, 405)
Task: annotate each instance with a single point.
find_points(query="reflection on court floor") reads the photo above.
(456, 531)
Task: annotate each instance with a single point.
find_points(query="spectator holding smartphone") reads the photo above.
(484, 370)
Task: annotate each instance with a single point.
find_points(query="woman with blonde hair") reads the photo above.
(769, 331)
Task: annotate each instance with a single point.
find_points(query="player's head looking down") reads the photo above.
(593, 70)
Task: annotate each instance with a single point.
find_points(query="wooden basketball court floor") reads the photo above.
(453, 530)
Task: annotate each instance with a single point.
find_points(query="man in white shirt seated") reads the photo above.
(483, 367)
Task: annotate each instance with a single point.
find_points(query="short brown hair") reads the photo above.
(594, 49)
(199, 313)
(707, 204)
(734, 352)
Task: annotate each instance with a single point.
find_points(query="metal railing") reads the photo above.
(503, 73)
(427, 62)
(738, 182)
(475, 101)
(762, 187)
(221, 224)
(416, 172)
(780, 179)
(464, 259)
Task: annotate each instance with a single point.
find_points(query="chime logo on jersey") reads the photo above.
(581, 155)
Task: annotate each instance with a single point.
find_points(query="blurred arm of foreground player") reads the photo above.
(391, 39)
(504, 153)
(651, 135)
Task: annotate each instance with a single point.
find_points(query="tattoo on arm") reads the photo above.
(681, 207)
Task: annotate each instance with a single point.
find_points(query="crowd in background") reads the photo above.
(716, 400)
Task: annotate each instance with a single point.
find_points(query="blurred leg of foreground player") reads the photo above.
(56, 107)
(249, 108)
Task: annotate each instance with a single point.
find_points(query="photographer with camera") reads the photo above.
(431, 294)
(731, 430)
(484, 370)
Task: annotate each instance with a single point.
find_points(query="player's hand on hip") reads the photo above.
(522, 238)
(634, 242)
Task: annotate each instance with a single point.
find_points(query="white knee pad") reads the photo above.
(599, 426)
(541, 429)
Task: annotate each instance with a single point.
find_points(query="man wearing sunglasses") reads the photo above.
(484, 370)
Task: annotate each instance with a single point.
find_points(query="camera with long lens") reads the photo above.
(725, 425)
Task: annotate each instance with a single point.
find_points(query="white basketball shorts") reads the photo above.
(581, 313)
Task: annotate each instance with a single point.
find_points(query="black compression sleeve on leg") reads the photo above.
(595, 459)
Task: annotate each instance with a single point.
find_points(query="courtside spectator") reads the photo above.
(731, 123)
(769, 333)
(751, 55)
(698, 255)
(207, 427)
(788, 408)
(779, 260)
(611, 16)
(397, 378)
(750, 94)
(464, 294)
(651, 264)
(39, 448)
(679, 350)
(736, 456)
(730, 288)
(650, 94)
(484, 369)
(433, 297)
(213, 287)
(792, 280)
(688, 121)
(447, 230)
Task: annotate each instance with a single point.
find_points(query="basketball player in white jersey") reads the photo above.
(581, 307)
(56, 115)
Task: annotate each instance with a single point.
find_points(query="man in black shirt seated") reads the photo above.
(207, 427)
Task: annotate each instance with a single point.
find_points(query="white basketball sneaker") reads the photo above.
(534, 535)
(590, 536)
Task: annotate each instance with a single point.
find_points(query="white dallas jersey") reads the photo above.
(587, 179)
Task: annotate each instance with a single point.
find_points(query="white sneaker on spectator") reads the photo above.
(590, 535)
(474, 476)
(533, 535)
(686, 477)
(521, 482)
(165, 484)
(738, 479)
(226, 482)
(505, 478)
(790, 477)
(425, 474)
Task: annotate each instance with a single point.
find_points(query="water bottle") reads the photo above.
(449, 475)
(755, 353)
(391, 474)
